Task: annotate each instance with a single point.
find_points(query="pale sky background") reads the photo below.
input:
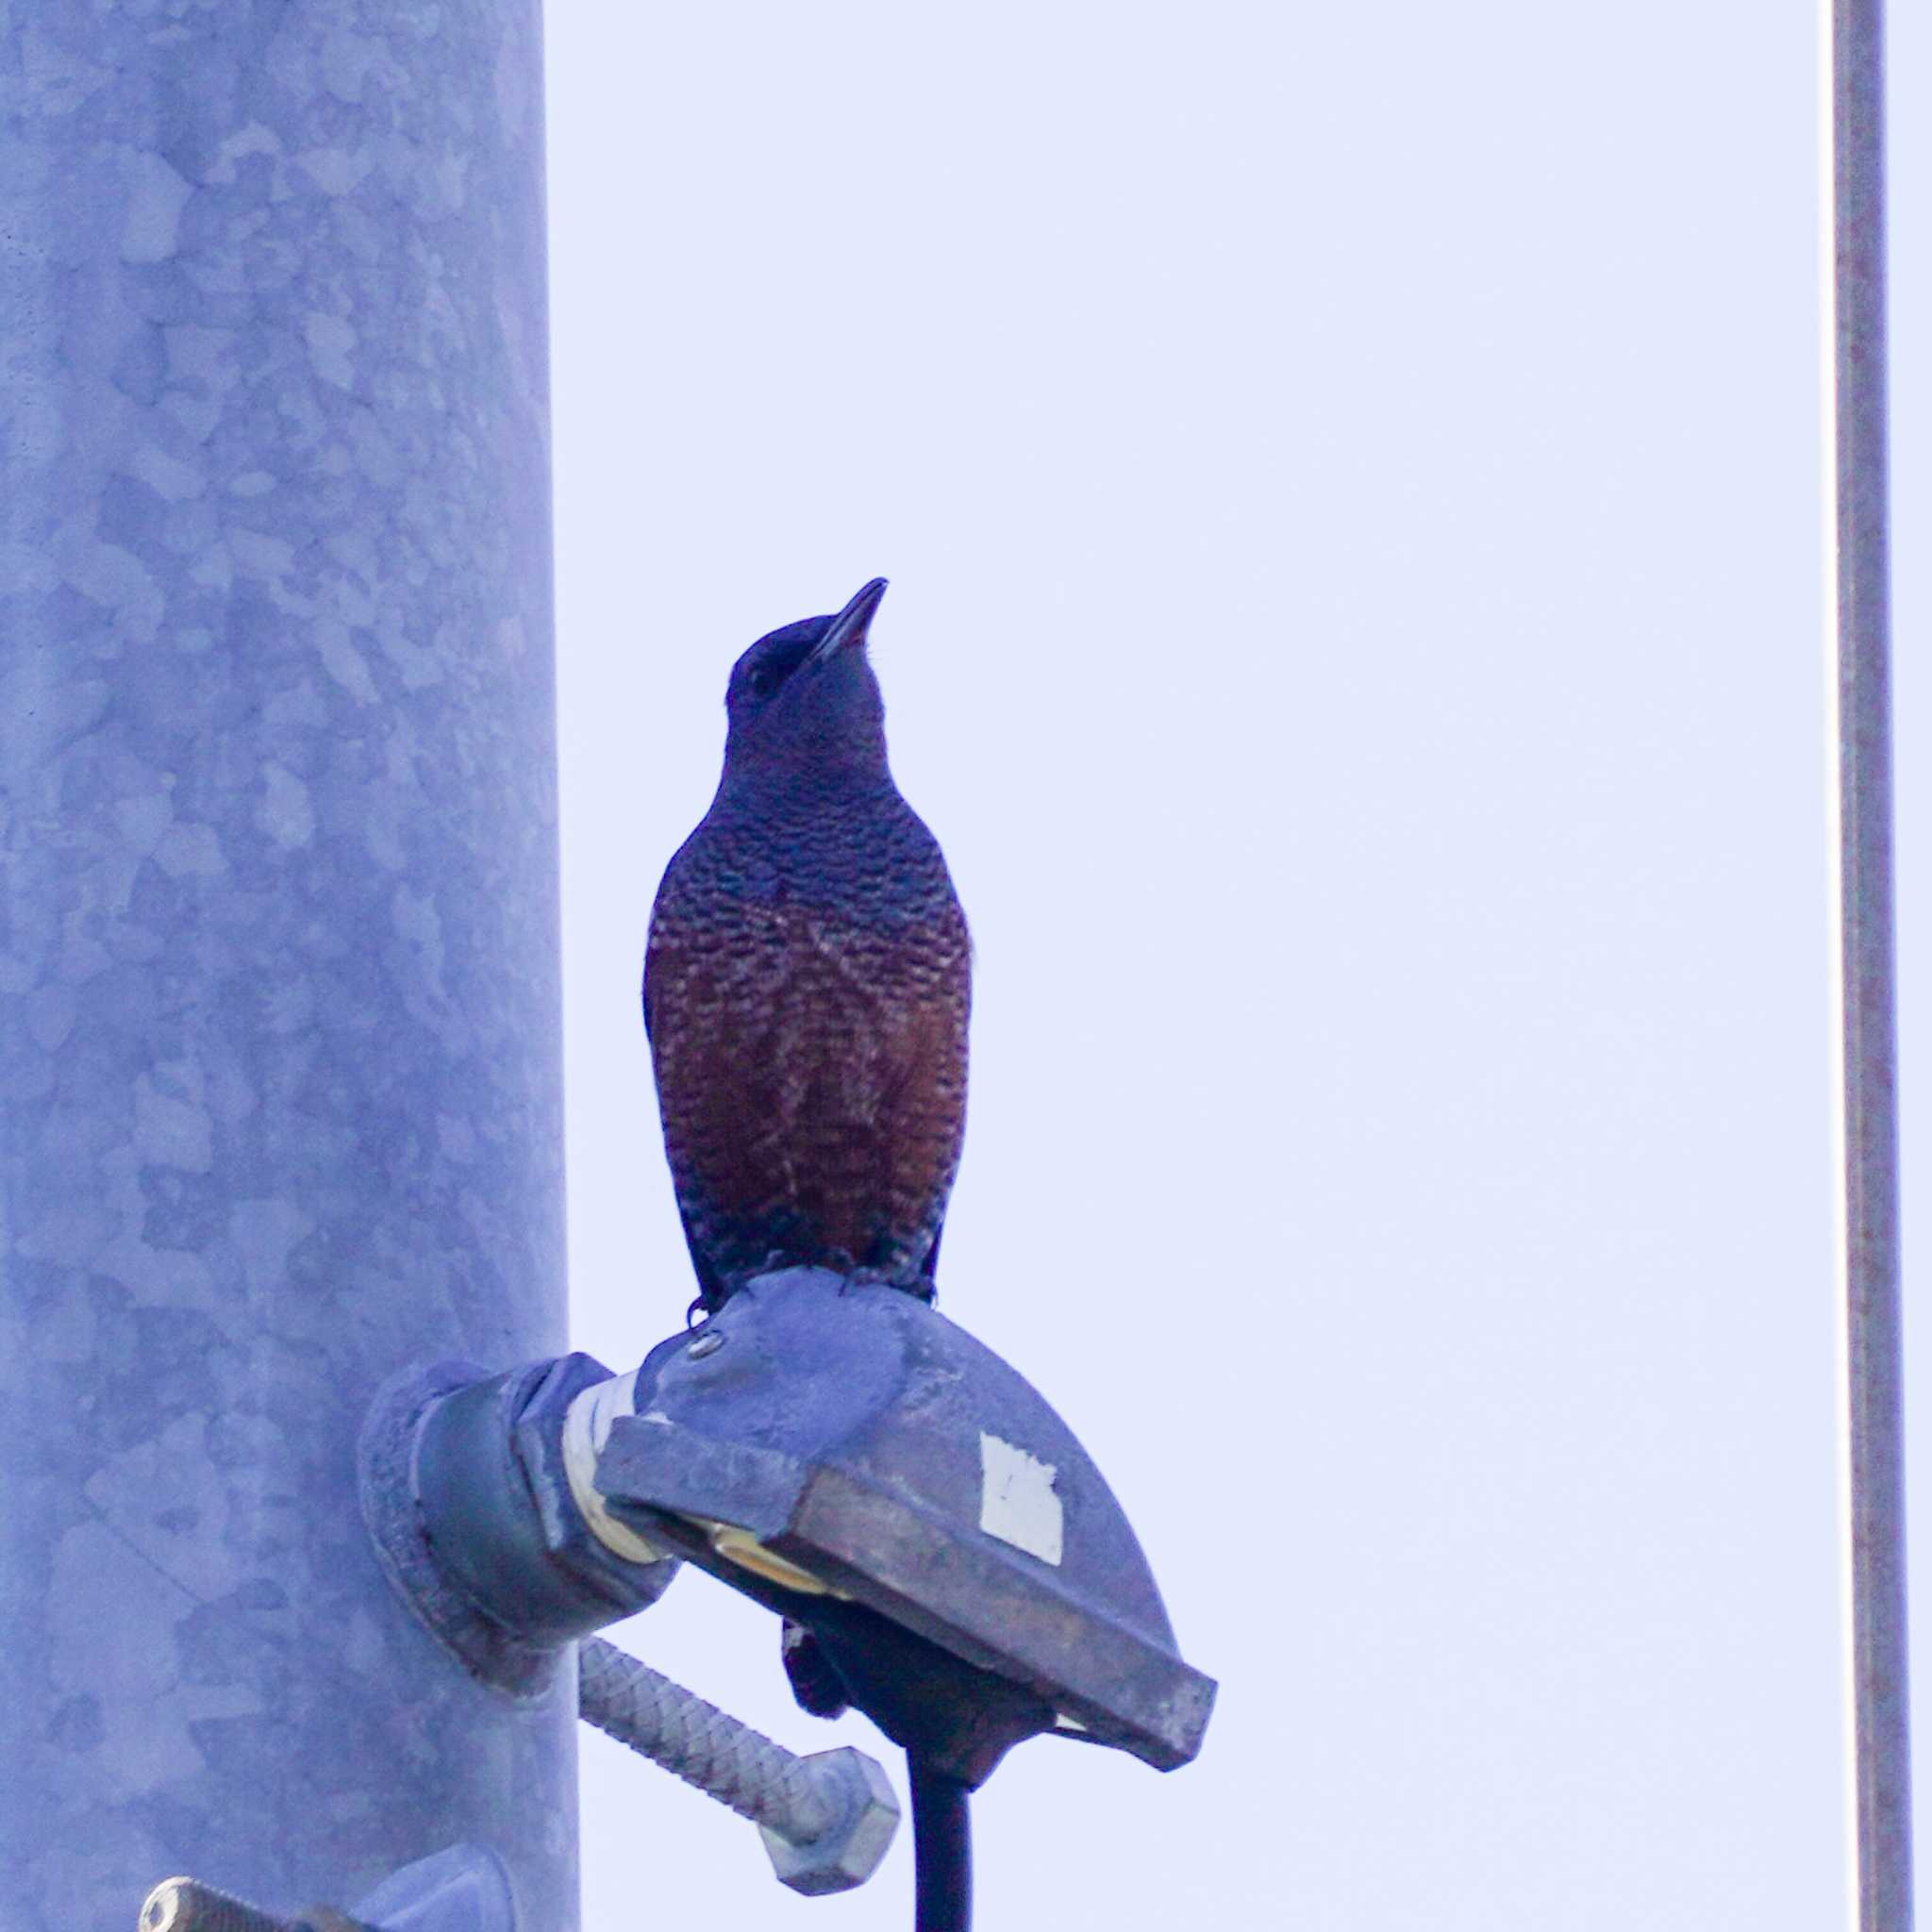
(1350, 483)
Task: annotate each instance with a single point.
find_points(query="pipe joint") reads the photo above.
(472, 1488)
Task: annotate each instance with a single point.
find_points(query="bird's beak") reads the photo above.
(849, 627)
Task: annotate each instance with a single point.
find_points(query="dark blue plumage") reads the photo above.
(807, 984)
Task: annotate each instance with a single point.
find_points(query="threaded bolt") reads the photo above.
(826, 1819)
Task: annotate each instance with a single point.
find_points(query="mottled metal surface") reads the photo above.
(279, 998)
(1877, 1625)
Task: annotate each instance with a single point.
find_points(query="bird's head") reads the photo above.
(804, 699)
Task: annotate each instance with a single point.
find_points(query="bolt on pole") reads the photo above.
(279, 1010)
(1872, 1445)
(707, 1747)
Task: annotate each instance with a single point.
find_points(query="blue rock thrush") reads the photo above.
(806, 985)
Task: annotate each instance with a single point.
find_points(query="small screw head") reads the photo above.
(703, 1346)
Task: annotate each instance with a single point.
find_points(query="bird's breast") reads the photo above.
(807, 987)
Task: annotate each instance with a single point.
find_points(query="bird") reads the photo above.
(807, 993)
(807, 984)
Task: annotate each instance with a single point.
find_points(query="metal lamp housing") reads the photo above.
(824, 1437)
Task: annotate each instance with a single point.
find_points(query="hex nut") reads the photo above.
(849, 1852)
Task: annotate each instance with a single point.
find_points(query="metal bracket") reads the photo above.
(473, 1489)
(842, 1453)
(846, 1455)
(466, 1499)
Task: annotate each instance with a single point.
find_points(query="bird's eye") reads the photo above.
(761, 683)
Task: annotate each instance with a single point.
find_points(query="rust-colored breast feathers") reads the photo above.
(810, 1054)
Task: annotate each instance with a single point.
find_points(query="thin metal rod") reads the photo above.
(1874, 1445)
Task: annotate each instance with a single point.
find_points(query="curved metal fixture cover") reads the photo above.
(861, 1437)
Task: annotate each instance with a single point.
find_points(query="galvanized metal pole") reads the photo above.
(278, 990)
(1873, 1380)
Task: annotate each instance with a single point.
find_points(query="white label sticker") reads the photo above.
(1017, 1502)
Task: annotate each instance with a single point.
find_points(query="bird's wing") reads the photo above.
(656, 969)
